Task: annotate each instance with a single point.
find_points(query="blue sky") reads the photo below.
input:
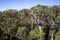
(20, 4)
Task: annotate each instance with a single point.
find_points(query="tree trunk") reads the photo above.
(31, 23)
(52, 36)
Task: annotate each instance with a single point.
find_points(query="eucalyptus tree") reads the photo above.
(36, 13)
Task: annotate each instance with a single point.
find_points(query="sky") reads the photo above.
(21, 4)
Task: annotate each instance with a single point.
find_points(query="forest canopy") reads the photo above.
(37, 23)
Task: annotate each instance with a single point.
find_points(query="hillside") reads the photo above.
(37, 23)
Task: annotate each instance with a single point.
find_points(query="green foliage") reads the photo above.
(36, 35)
(57, 36)
(21, 33)
(23, 24)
